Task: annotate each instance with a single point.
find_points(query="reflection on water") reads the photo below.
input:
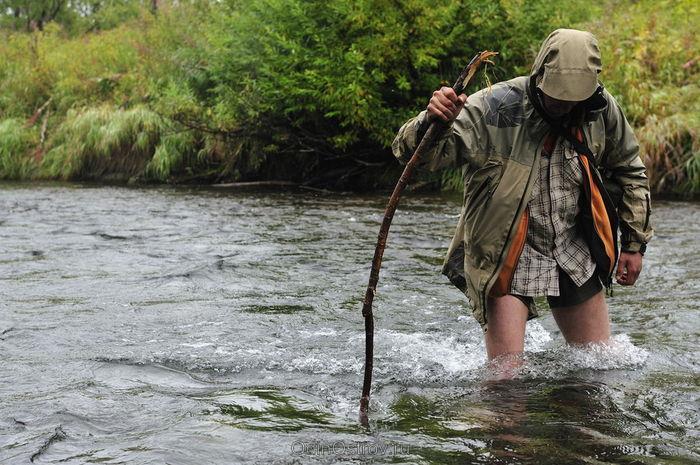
(192, 326)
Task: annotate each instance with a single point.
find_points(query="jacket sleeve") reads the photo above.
(451, 150)
(622, 160)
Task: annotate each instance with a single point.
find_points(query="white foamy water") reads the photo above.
(426, 355)
(563, 359)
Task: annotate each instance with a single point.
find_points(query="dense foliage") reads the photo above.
(74, 16)
(305, 90)
(652, 65)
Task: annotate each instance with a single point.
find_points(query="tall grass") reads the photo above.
(102, 88)
(173, 152)
(671, 149)
(103, 143)
(108, 143)
(16, 144)
(186, 154)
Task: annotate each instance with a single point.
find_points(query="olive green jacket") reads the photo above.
(497, 139)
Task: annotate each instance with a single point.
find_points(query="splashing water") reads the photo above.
(563, 360)
(191, 326)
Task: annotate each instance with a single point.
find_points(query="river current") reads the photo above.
(202, 326)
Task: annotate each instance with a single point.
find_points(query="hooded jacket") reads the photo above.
(497, 140)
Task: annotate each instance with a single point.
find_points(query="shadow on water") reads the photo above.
(278, 309)
(270, 410)
(545, 422)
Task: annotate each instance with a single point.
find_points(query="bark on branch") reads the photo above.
(434, 131)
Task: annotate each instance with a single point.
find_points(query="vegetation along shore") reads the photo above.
(306, 91)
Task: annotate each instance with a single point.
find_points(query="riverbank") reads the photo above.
(291, 91)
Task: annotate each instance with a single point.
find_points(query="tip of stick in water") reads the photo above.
(364, 407)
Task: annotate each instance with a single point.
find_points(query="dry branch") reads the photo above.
(432, 134)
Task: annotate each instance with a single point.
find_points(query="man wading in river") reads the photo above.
(538, 219)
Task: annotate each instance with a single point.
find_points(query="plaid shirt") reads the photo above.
(553, 240)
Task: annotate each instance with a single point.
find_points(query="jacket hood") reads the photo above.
(567, 65)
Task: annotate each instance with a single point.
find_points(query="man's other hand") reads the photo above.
(628, 268)
(445, 104)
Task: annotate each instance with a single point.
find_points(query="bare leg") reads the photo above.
(586, 322)
(505, 333)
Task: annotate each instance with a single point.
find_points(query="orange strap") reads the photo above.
(502, 285)
(601, 221)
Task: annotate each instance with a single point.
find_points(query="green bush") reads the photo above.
(343, 75)
(311, 90)
(652, 65)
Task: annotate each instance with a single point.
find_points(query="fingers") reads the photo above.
(448, 92)
(628, 269)
(633, 272)
(445, 104)
(622, 278)
(443, 110)
(621, 274)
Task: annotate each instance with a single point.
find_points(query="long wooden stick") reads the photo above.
(436, 128)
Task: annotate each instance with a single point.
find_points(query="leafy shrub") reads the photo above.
(349, 73)
(652, 65)
(315, 90)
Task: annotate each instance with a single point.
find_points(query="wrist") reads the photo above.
(634, 247)
(423, 123)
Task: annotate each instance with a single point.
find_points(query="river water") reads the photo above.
(195, 326)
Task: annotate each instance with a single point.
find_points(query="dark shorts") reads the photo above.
(569, 293)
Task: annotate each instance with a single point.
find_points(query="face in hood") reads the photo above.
(567, 65)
